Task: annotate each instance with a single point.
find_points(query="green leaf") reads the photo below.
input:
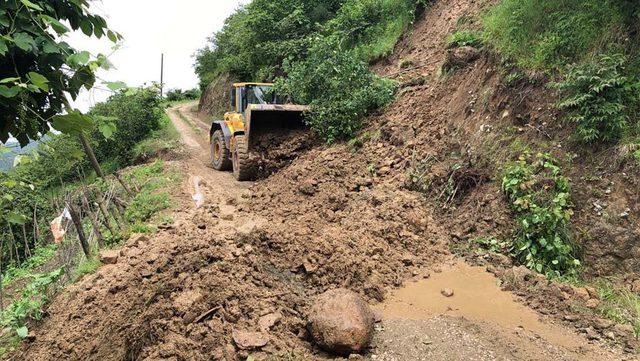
(16, 218)
(8, 197)
(107, 130)
(112, 36)
(50, 47)
(24, 41)
(59, 27)
(87, 27)
(4, 150)
(7, 92)
(3, 47)
(22, 332)
(31, 5)
(79, 59)
(39, 80)
(72, 123)
(9, 80)
(116, 85)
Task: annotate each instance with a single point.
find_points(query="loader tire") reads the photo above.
(243, 167)
(220, 154)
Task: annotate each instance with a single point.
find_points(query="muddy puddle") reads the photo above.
(477, 297)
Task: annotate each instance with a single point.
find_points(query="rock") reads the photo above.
(592, 334)
(581, 293)
(460, 57)
(246, 340)
(446, 292)
(109, 256)
(308, 187)
(340, 321)
(623, 330)
(593, 303)
(602, 324)
(227, 217)
(267, 321)
(593, 293)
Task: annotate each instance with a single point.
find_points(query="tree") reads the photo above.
(38, 69)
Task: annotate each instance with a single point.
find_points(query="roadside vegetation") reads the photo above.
(131, 127)
(318, 53)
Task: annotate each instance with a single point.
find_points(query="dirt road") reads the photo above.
(180, 294)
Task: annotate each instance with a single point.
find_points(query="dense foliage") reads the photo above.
(539, 197)
(600, 98)
(318, 50)
(60, 161)
(176, 95)
(134, 114)
(548, 34)
(38, 68)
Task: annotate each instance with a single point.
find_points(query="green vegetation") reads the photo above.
(179, 95)
(619, 304)
(600, 98)
(318, 51)
(150, 199)
(592, 45)
(464, 38)
(30, 303)
(549, 34)
(538, 194)
(40, 256)
(38, 67)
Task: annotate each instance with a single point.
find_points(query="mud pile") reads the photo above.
(275, 150)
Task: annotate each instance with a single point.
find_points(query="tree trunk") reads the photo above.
(123, 184)
(92, 156)
(78, 223)
(27, 250)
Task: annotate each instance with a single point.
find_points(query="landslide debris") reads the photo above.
(341, 322)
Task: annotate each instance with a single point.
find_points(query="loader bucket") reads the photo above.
(273, 121)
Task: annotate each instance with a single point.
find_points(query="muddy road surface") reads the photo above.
(265, 249)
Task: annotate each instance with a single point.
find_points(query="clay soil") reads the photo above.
(328, 217)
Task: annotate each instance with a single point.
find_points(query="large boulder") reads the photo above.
(341, 322)
(460, 57)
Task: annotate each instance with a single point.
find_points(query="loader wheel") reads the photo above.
(243, 169)
(220, 155)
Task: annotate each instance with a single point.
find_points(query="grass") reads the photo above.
(165, 139)
(619, 304)
(85, 267)
(550, 34)
(40, 256)
(464, 38)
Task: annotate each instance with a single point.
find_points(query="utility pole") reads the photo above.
(161, 73)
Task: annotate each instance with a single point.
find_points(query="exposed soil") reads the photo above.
(334, 218)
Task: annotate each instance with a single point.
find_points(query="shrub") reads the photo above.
(538, 194)
(135, 114)
(338, 86)
(599, 97)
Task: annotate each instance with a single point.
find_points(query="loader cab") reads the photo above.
(244, 94)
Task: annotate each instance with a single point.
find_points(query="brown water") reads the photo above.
(477, 297)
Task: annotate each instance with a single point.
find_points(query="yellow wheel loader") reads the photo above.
(256, 111)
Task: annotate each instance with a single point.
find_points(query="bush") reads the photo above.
(538, 194)
(176, 95)
(599, 98)
(339, 88)
(135, 114)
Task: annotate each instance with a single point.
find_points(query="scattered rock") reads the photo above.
(581, 293)
(602, 324)
(340, 321)
(447, 292)
(227, 217)
(460, 57)
(267, 321)
(593, 303)
(246, 340)
(623, 330)
(109, 256)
